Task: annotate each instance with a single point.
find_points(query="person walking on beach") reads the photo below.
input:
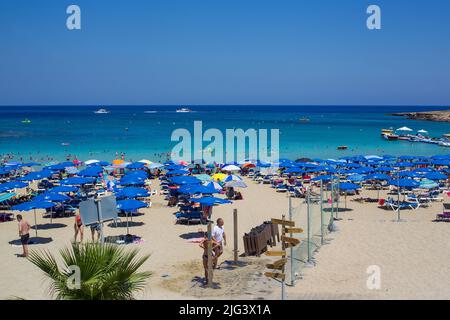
(79, 228)
(220, 237)
(24, 234)
(204, 245)
(95, 229)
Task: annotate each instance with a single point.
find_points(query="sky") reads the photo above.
(230, 52)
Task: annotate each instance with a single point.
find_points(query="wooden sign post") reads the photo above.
(210, 256)
(235, 223)
(278, 267)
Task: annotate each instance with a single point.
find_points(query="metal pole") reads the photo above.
(235, 223)
(210, 258)
(283, 246)
(100, 219)
(398, 198)
(35, 222)
(292, 249)
(321, 212)
(308, 217)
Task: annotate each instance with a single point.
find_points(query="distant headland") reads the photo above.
(438, 116)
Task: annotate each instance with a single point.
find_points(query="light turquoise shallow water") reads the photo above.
(101, 136)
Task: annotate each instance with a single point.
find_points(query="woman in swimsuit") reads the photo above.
(204, 246)
(79, 228)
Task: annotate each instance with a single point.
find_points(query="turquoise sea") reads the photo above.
(140, 134)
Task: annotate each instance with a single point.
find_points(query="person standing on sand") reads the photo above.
(204, 245)
(79, 228)
(220, 237)
(24, 234)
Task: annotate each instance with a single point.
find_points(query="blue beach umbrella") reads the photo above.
(136, 165)
(51, 196)
(428, 184)
(75, 181)
(404, 183)
(436, 176)
(232, 177)
(38, 175)
(185, 180)
(63, 189)
(355, 178)
(130, 205)
(12, 185)
(378, 177)
(209, 201)
(92, 171)
(33, 205)
(196, 189)
(178, 172)
(324, 178)
(214, 185)
(132, 192)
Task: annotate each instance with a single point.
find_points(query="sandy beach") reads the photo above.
(413, 255)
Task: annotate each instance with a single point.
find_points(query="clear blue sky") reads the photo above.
(225, 52)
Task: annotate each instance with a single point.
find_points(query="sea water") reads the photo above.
(145, 131)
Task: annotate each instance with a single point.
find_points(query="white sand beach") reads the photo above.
(413, 255)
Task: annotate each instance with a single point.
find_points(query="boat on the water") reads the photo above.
(342, 148)
(101, 111)
(304, 119)
(184, 110)
(26, 121)
(389, 134)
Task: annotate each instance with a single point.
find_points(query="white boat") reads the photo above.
(184, 110)
(101, 111)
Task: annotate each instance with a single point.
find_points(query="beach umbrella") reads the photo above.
(404, 183)
(231, 168)
(294, 171)
(428, 184)
(72, 170)
(75, 181)
(232, 177)
(145, 161)
(178, 172)
(132, 181)
(38, 175)
(173, 167)
(51, 196)
(59, 166)
(132, 192)
(355, 178)
(235, 184)
(324, 178)
(136, 165)
(209, 201)
(92, 161)
(63, 189)
(33, 205)
(213, 185)
(155, 165)
(12, 185)
(436, 176)
(378, 177)
(93, 171)
(196, 189)
(98, 164)
(130, 205)
(5, 170)
(348, 186)
(406, 129)
(179, 180)
(219, 176)
(203, 177)
(407, 174)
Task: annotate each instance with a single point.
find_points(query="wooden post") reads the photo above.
(210, 256)
(235, 224)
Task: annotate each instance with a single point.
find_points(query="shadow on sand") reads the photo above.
(33, 241)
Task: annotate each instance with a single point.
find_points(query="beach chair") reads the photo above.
(445, 215)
